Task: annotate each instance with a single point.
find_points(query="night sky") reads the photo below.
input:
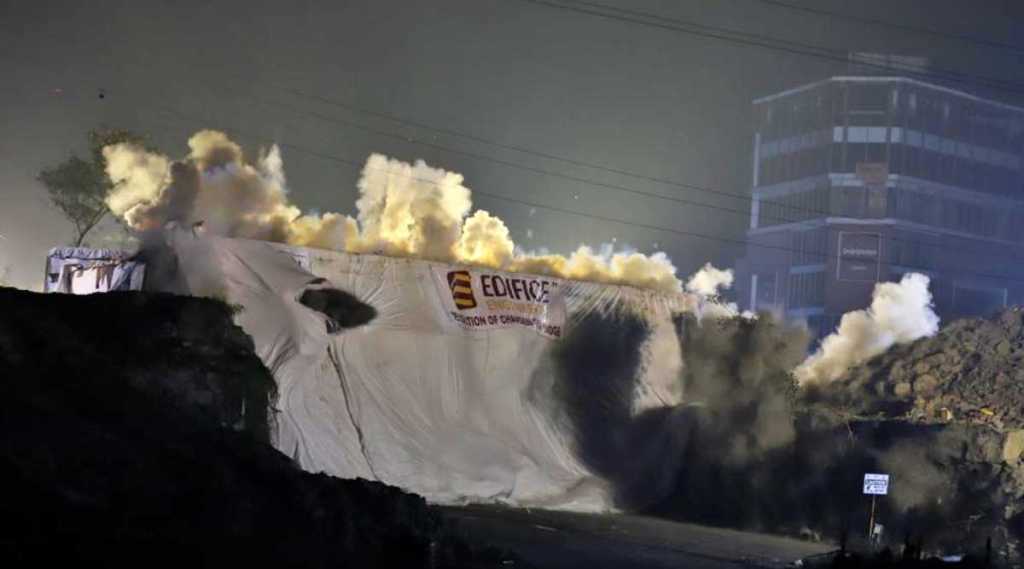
(643, 99)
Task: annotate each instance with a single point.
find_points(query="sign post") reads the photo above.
(875, 485)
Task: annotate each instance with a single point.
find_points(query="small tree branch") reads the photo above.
(88, 226)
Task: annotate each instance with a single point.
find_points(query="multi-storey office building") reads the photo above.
(862, 179)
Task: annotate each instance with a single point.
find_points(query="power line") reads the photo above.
(566, 211)
(541, 171)
(572, 161)
(517, 148)
(813, 50)
(557, 174)
(896, 26)
(510, 164)
(469, 136)
(515, 165)
(767, 42)
(683, 233)
(793, 209)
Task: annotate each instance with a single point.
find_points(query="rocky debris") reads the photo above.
(965, 385)
(133, 434)
(909, 557)
(1013, 447)
(970, 372)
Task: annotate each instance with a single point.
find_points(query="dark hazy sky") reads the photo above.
(656, 102)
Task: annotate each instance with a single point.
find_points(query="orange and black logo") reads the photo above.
(461, 285)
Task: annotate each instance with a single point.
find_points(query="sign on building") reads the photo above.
(860, 256)
(876, 484)
(875, 177)
(873, 173)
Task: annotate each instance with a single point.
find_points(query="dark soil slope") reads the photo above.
(133, 433)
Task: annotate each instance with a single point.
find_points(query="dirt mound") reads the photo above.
(965, 386)
(970, 372)
(133, 434)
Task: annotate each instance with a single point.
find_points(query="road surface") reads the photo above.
(547, 539)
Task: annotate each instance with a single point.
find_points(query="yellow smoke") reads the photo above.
(407, 210)
(140, 177)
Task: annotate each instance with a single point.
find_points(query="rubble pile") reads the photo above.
(971, 372)
(951, 408)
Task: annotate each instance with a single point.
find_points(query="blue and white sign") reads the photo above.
(876, 484)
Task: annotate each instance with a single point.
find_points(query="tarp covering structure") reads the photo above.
(80, 270)
(448, 391)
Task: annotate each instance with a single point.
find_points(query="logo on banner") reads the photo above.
(461, 285)
(486, 300)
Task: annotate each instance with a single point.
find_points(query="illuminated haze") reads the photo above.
(405, 210)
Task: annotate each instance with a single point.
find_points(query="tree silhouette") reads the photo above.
(78, 187)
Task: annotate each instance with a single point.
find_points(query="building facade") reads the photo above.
(862, 179)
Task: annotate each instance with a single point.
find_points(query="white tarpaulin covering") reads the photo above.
(79, 270)
(445, 392)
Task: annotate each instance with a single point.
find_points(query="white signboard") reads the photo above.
(860, 256)
(873, 173)
(876, 484)
(478, 299)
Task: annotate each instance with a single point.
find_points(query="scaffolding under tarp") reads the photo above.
(80, 270)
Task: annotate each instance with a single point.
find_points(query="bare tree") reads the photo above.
(78, 187)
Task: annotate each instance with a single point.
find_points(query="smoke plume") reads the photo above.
(899, 313)
(731, 407)
(740, 369)
(709, 280)
(407, 210)
(710, 283)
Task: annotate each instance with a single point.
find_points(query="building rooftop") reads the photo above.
(887, 79)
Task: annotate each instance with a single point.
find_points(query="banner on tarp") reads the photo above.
(484, 300)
